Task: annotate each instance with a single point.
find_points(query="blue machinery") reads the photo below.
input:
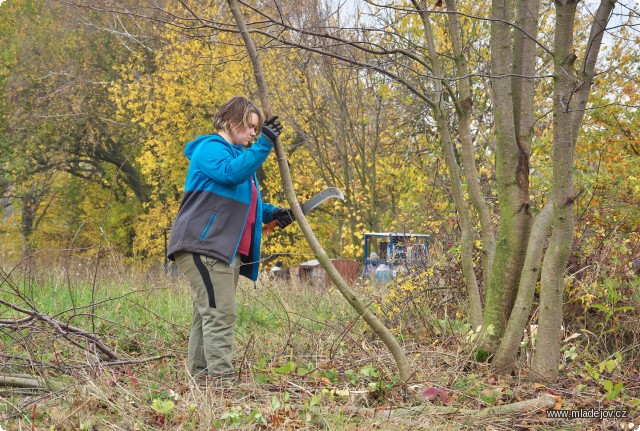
(394, 249)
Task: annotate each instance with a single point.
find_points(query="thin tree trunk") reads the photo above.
(455, 175)
(402, 362)
(587, 72)
(547, 355)
(572, 93)
(27, 220)
(505, 356)
(464, 108)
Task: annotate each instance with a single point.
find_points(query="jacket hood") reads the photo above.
(191, 147)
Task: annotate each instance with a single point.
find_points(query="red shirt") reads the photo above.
(245, 240)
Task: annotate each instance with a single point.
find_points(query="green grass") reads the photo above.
(305, 358)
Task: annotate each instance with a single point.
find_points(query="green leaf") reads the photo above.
(614, 391)
(275, 403)
(256, 416)
(161, 406)
(332, 375)
(287, 368)
(601, 308)
(370, 371)
(262, 378)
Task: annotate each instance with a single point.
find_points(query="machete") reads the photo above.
(310, 205)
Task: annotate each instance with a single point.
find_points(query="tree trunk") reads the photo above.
(511, 183)
(522, 95)
(507, 352)
(464, 110)
(27, 220)
(455, 175)
(547, 355)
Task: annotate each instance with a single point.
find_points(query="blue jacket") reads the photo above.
(216, 201)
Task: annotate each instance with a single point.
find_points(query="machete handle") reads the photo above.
(266, 229)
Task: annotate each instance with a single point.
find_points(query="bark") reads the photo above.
(402, 362)
(455, 175)
(572, 93)
(547, 355)
(505, 357)
(523, 93)
(511, 184)
(517, 308)
(524, 64)
(29, 382)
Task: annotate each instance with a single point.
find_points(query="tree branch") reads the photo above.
(587, 72)
(374, 323)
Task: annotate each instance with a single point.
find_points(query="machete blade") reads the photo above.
(328, 193)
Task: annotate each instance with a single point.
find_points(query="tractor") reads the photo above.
(385, 253)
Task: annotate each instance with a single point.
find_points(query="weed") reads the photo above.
(303, 354)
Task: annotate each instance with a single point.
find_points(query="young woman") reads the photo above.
(216, 235)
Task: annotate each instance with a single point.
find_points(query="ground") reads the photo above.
(304, 359)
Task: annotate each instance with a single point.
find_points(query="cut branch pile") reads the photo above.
(21, 322)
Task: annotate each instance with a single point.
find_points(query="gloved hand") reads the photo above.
(272, 129)
(283, 217)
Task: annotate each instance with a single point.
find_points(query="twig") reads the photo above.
(299, 387)
(244, 357)
(135, 361)
(65, 329)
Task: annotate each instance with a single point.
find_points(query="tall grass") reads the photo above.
(146, 314)
(304, 358)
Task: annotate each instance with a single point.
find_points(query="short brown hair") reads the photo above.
(237, 111)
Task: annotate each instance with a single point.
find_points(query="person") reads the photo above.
(277, 272)
(217, 232)
(277, 268)
(372, 263)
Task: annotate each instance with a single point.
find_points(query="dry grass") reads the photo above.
(305, 361)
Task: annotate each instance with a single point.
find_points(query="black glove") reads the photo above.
(283, 217)
(272, 129)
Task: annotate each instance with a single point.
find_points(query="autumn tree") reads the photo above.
(495, 93)
(59, 119)
(447, 58)
(512, 256)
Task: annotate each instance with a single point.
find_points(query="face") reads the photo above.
(244, 135)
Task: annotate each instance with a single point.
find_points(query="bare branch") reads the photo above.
(480, 18)
(587, 72)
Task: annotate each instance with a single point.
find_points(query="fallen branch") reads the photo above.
(27, 381)
(62, 328)
(545, 401)
(136, 361)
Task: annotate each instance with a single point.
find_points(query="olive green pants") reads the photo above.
(213, 294)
